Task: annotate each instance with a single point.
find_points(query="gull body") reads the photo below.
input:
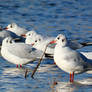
(19, 53)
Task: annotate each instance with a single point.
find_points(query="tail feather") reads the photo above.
(86, 44)
(89, 72)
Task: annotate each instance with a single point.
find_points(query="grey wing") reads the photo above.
(78, 61)
(74, 44)
(76, 57)
(84, 62)
(22, 50)
(87, 61)
(37, 53)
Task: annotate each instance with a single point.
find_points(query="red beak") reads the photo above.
(54, 41)
(32, 44)
(5, 28)
(23, 35)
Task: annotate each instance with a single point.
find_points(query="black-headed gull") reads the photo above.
(19, 53)
(16, 29)
(69, 60)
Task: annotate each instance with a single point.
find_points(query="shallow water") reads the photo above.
(49, 18)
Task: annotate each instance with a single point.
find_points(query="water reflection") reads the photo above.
(79, 85)
(13, 78)
(65, 87)
(13, 71)
(47, 68)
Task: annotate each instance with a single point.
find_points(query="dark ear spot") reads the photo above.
(39, 39)
(7, 41)
(63, 40)
(58, 38)
(11, 26)
(10, 41)
(35, 40)
(29, 34)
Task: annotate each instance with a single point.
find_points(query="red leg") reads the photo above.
(73, 77)
(17, 66)
(70, 77)
(20, 66)
(54, 63)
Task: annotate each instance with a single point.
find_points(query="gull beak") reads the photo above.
(23, 35)
(6, 28)
(32, 44)
(52, 42)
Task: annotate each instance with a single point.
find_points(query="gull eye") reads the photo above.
(58, 38)
(35, 40)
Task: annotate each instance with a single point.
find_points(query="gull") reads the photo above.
(13, 27)
(68, 59)
(19, 53)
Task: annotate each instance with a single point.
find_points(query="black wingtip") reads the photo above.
(87, 44)
(49, 55)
